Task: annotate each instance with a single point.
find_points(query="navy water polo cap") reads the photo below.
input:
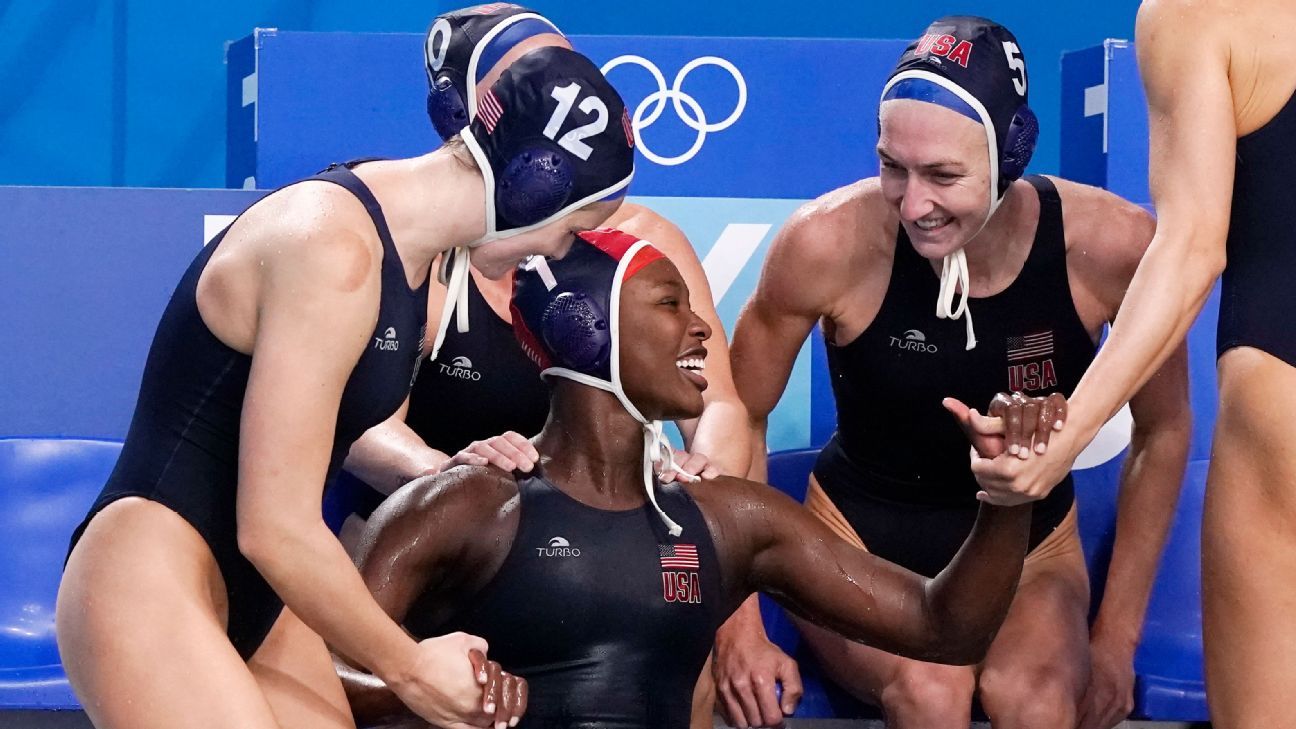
(972, 66)
(975, 67)
(566, 317)
(551, 138)
(461, 47)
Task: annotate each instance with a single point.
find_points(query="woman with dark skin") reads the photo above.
(446, 550)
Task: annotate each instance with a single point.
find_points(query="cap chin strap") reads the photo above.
(954, 269)
(954, 276)
(657, 450)
(453, 274)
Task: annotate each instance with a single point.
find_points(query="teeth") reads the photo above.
(931, 224)
(691, 363)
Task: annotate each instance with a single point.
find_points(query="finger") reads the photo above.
(1030, 416)
(1013, 429)
(478, 661)
(506, 701)
(472, 642)
(511, 451)
(1044, 426)
(789, 676)
(750, 706)
(1000, 404)
(731, 708)
(985, 425)
(523, 698)
(528, 456)
(491, 691)
(960, 411)
(492, 455)
(462, 458)
(1059, 410)
(698, 463)
(767, 701)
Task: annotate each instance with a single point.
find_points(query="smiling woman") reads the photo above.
(606, 598)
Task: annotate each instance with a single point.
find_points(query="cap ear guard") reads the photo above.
(534, 185)
(445, 107)
(576, 332)
(1019, 146)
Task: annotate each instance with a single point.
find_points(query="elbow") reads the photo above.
(1206, 256)
(261, 541)
(966, 649)
(254, 543)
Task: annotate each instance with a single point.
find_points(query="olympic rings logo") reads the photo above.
(694, 118)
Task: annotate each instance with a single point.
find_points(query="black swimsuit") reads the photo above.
(608, 617)
(897, 467)
(182, 449)
(1257, 294)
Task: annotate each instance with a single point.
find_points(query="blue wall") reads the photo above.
(131, 92)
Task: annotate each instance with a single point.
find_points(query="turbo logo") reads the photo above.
(694, 118)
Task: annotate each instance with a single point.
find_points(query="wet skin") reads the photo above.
(438, 541)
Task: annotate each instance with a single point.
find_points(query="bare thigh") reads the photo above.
(141, 627)
(704, 694)
(295, 671)
(1038, 665)
(1249, 544)
(903, 687)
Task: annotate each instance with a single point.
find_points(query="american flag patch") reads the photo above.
(1030, 346)
(492, 8)
(490, 111)
(678, 556)
(629, 129)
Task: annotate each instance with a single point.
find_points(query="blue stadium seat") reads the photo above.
(46, 487)
(1170, 685)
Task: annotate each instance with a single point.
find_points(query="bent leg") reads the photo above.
(704, 698)
(1249, 545)
(912, 694)
(295, 671)
(1035, 673)
(140, 623)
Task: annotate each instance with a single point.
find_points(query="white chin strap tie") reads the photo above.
(954, 280)
(657, 450)
(453, 274)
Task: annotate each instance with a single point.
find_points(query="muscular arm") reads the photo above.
(391, 454)
(443, 536)
(314, 315)
(1193, 142)
(800, 283)
(771, 544)
(712, 434)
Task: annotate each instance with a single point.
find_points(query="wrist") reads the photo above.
(396, 665)
(1119, 638)
(744, 625)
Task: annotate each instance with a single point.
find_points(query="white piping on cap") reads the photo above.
(954, 269)
(470, 81)
(657, 448)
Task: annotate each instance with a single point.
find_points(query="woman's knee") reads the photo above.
(1029, 697)
(928, 694)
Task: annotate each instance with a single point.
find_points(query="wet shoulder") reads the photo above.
(467, 503)
(850, 225)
